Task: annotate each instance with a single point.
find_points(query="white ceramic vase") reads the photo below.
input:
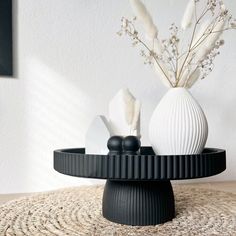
(178, 125)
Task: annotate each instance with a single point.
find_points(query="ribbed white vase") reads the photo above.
(178, 125)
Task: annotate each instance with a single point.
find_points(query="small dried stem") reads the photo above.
(156, 60)
(190, 45)
(202, 38)
(130, 31)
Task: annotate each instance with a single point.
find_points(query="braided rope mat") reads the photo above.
(77, 211)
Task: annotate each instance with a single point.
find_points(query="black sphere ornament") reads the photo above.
(131, 145)
(114, 144)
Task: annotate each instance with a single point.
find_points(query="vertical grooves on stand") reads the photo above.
(138, 203)
(141, 167)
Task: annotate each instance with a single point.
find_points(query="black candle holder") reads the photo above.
(138, 189)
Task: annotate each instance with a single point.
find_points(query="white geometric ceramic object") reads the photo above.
(124, 114)
(97, 136)
(178, 124)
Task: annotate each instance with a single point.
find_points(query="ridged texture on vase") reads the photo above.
(143, 166)
(178, 125)
(138, 203)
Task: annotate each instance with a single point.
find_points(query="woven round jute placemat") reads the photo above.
(77, 211)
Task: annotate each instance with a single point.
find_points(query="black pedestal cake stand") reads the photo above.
(138, 189)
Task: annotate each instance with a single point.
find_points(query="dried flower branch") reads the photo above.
(175, 67)
(127, 28)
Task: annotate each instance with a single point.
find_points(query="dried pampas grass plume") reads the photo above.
(203, 29)
(188, 15)
(162, 74)
(158, 47)
(189, 78)
(192, 78)
(129, 101)
(216, 33)
(145, 18)
(136, 115)
(210, 41)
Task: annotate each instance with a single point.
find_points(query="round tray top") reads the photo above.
(143, 166)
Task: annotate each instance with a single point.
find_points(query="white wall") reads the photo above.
(70, 62)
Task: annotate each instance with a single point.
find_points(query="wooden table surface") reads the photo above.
(229, 186)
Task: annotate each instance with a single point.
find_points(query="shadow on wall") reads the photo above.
(56, 117)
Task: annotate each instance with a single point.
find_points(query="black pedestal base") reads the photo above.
(138, 202)
(134, 194)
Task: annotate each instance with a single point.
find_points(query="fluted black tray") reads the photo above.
(138, 189)
(145, 166)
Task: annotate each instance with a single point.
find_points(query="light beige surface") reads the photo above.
(69, 211)
(222, 186)
(8, 197)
